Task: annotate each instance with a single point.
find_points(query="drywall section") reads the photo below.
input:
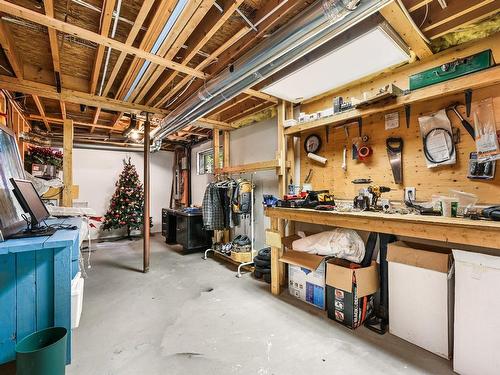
(253, 143)
(257, 142)
(96, 172)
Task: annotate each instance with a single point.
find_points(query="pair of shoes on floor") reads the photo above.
(242, 240)
(226, 248)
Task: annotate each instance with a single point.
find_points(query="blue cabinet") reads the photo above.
(35, 285)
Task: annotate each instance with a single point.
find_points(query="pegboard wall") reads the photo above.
(415, 172)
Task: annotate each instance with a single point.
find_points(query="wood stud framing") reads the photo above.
(177, 64)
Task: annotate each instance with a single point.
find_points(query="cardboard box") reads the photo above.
(349, 292)
(477, 306)
(306, 277)
(421, 296)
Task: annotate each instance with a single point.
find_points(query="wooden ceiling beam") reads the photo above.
(413, 5)
(106, 18)
(266, 18)
(63, 109)
(208, 123)
(229, 104)
(155, 27)
(10, 50)
(453, 11)
(261, 95)
(67, 28)
(474, 16)
(41, 110)
(213, 56)
(198, 39)
(50, 92)
(395, 16)
(141, 17)
(249, 111)
(58, 121)
(191, 16)
(95, 118)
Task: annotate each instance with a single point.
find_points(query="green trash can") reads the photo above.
(42, 353)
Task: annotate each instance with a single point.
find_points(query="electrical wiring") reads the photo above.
(425, 16)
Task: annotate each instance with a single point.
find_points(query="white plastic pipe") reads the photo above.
(319, 159)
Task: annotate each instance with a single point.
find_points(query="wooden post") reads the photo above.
(67, 197)
(227, 155)
(216, 137)
(277, 268)
(290, 160)
(146, 230)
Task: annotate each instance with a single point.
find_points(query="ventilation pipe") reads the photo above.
(321, 22)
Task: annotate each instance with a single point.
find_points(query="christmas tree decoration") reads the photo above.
(127, 203)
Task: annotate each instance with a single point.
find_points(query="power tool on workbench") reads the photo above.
(367, 199)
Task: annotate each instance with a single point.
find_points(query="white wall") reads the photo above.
(250, 144)
(199, 182)
(96, 172)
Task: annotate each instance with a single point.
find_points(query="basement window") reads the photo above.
(205, 161)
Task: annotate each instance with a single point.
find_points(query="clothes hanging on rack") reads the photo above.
(217, 210)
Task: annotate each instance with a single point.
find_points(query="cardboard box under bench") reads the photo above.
(306, 277)
(349, 292)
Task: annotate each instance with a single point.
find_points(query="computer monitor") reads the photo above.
(31, 203)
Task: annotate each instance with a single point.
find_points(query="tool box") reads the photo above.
(454, 69)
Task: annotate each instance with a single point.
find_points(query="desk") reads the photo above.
(35, 285)
(452, 231)
(186, 229)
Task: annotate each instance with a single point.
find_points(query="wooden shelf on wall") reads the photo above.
(485, 78)
(251, 167)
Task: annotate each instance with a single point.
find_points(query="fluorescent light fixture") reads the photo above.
(372, 52)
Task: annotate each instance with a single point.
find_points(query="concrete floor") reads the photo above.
(190, 316)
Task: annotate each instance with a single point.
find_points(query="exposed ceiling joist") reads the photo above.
(106, 18)
(198, 39)
(141, 16)
(261, 95)
(158, 21)
(67, 28)
(190, 17)
(54, 120)
(50, 92)
(63, 110)
(404, 27)
(95, 119)
(10, 51)
(201, 66)
(41, 110)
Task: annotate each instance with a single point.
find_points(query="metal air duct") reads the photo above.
(322, 21)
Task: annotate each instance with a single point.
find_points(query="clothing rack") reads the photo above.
(241, 265)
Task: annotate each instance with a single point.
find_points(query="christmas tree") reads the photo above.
(126, 206)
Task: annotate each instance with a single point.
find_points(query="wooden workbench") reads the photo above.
(451, 231)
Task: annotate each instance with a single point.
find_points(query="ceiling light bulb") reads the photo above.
(134, 134)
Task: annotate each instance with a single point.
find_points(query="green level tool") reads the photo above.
(454, 69)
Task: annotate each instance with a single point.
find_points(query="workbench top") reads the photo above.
(454, 231)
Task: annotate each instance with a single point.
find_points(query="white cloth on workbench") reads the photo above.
(340, 243)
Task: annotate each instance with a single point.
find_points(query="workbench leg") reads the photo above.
(276, 266)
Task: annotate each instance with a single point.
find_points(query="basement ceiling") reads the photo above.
(206, 37)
